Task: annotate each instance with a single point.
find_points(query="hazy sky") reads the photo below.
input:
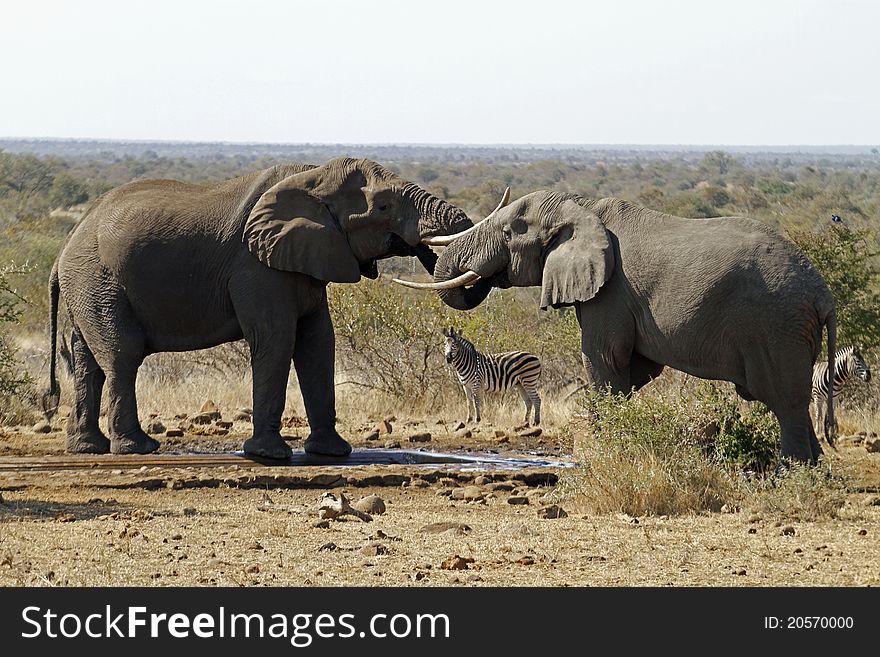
(447, 71)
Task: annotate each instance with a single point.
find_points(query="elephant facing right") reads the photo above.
(724, 298)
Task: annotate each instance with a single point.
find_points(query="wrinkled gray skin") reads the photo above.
(160, 265)
(724, 298)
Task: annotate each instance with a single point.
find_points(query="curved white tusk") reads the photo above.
(446, 240)
(459, 281)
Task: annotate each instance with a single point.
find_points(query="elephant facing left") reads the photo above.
(161, 265)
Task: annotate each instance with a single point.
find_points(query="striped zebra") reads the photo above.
(847, 362)
(493, 372)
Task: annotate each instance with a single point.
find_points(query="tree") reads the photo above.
(67, 190)
(11, 378)
(848, 263)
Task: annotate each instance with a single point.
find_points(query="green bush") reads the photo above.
(646, 455)
(12, 378)
(847, 260)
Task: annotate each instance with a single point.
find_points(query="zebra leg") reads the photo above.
(520, 388)
(468, 399)
(817, 412)
(536, 401)
(477, 400)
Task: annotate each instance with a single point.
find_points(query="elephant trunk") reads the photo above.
(460, 298)
(435, 216)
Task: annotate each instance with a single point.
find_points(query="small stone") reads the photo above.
(552, 512)
(468, 493)
(252, 569)
(372, 504)
(155, 427)
(459, 426)
(42, 427)
(532, 432)
(202, 418)
(321, 524)
(421, 437)
(223, 424)
(457, 528)
(456, 563)
(863, 532)
(463, 434)
(189, 511)
(384, 427)
(176, 537)
(392, 444)
(374, 550)
(518, 500)
(328, 547)
(174, 433)
(371, 435)
(482, 480)
(872, 444)
(755, 518)
(500, 433)
(241, 416)
(211, 409)
(788, 530)
(752, 530)
(525, 560)
(741, 571)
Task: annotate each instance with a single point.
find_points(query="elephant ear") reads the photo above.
(580, 259)
(292, 230)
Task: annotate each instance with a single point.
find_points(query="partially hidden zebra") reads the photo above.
(847, 362)
(493, 372)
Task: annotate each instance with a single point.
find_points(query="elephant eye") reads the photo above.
(507, 233)
(383, 208)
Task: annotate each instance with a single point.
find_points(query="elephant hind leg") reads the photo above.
(83, 434)
(799, 442)
(642, 371)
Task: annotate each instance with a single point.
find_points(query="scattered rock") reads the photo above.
(482, 480)
(384, 427)
(321, 524)
(741, 571)
(223, 424)
(499, 433)
(457, 528)
(532, 432)
(872, 444)
(374, 550)
(863, 532)
(181, 416)
(176, 537)
(468, 493)
(524, 560)
(755, 518)
(518, 499)
(252, 569)
(552, 512)
(189, 511)
(418, 483)
(788, 530)
(502, 486)
(456, 563)
(459, 426)
(202, 418)
(174, 433)
(463, 434)
(752, 530)
(392, 444)
(155, 427)
(241, 416)
(372, 504)
(421, 437)
(42, 427)
(210, 409)
(328, 547)
(371, 435)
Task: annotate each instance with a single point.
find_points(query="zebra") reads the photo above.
(493, 372)
(847, 362)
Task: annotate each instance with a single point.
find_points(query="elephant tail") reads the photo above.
(830, 421)
(52, 396)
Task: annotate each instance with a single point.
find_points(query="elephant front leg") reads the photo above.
(270, 362)
(313, 359)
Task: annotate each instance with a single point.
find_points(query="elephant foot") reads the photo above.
(270, 446)
(328, 443)
(88, 443)
(136, 443)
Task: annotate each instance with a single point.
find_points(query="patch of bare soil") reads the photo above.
(441, 525)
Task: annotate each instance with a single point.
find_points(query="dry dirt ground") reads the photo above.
(254, 525)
